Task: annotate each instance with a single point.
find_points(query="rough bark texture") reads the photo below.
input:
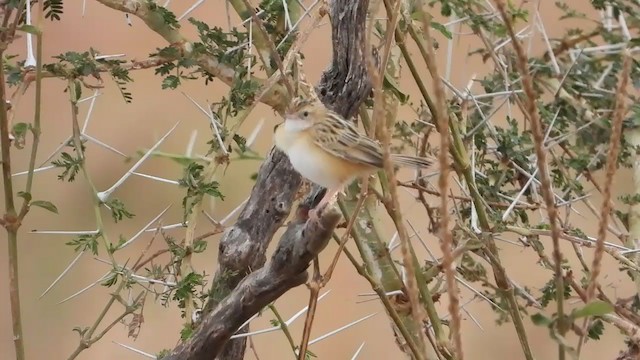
(302, 241)
(242, 249)
(346, 84)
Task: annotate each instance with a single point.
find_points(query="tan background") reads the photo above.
(135, 126)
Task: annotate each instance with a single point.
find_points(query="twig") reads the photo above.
(318, 281)
(314, 289)
(611, 165)
(363, 195)
(272, 48)
(612, 161)
(541, 158)
(422, 188)
(446, 239)
(284, 327)
(11, 221)
(287, 269)
(392, 203)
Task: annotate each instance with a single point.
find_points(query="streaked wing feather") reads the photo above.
(341, 139)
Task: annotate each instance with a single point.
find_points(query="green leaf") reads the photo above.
(77, 90)
(31, 29)
(20, 129)
(47, 205)
(25, 195)
(170, 82)
(390, 84)
(442, 29)
(20, 133)
(596, 329)
(541, 320)
(594, 308)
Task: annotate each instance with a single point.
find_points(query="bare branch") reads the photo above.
(243, 247)
(287, 269)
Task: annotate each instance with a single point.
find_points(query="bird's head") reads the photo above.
(303, 113)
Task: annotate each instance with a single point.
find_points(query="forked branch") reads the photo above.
(302, 241)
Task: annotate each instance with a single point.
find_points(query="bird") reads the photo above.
(328, 150)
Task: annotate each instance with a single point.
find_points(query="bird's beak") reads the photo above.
(291, 117)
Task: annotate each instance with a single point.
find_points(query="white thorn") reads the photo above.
(254, 134)
(111, 56)
(297, 315)
(102, 278)
(61, 232)
(150, 356)
(287, 17)
(31, 60)
(191, 143)
(320, 338)
(358, 351)
(104, 195)
(134, 237)
(234, 211)
(104, 145)
(64, 272)
(287, 323)
(173, 182)
(190, 9)
(167, 227)
(35, 170)
(93, 99)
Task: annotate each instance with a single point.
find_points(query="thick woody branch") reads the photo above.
(343, 87)
(301, 242)
(236, 295)
(346, 84)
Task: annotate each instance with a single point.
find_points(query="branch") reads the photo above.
(301, 242)
(243, 247)
(343, 87)
(156, 22)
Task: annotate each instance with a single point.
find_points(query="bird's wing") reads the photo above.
(340, 138)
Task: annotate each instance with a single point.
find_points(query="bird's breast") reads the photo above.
(319, 166)
(283, 139)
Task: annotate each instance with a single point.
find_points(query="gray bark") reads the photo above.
(237, 294)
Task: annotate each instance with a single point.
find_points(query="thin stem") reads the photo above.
(531, 112)
(314, 289)
(386, 302)
(11, 221)
(85, 341)
(35, 129)
(77, 144)
(271, 46)
(446, 239)
(611, 165)
(461, 158)
(284, 327)
(396, 215)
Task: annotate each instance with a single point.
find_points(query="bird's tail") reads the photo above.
(411, 161)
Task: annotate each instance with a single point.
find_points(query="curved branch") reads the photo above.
(301, 242)
(242, 249)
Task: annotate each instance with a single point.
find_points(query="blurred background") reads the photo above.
(137, 126)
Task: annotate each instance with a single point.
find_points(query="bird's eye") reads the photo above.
(305, 114)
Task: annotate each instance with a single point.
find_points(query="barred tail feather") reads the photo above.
(411, 161)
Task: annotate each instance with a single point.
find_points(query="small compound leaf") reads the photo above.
(31, 29)
(594, 308)
(541, 320)
(47, 205)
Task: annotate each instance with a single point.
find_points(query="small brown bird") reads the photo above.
(328, 150)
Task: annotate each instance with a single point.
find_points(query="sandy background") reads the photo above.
(131, 127)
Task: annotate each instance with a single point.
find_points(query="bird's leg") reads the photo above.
(329, 196)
